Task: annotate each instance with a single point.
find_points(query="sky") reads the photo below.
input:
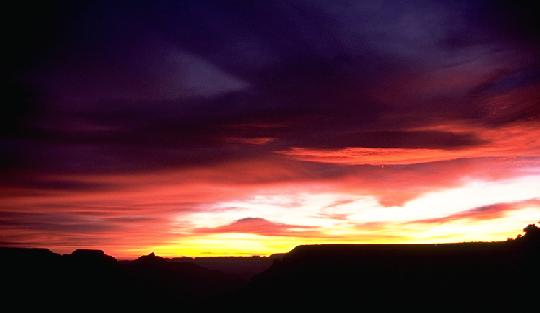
(206, 128)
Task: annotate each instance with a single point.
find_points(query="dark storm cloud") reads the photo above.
(123, 87)
(383, 139)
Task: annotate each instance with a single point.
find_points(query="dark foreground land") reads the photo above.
(483, 275)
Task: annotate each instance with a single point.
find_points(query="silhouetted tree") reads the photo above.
(532, 232)
(531, 235)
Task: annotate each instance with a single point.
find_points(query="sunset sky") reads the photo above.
(249, 127)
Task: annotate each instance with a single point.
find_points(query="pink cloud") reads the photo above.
(259, 226)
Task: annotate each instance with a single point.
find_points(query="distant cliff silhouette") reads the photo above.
(486, 274)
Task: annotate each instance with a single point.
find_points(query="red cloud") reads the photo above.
(259, 226)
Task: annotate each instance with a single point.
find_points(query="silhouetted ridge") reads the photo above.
(25, 253)
(150, 259)
(93, 278)
(395, 276)
(89, 253)
(488, 274)
(91, 256)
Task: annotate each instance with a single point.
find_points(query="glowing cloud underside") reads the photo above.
(475, 211)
